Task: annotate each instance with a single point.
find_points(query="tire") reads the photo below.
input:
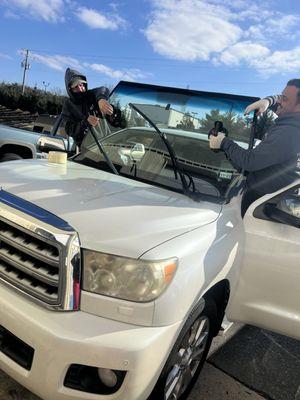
(187, 356)
(10, 157)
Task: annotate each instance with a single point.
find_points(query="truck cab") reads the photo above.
(18, 144)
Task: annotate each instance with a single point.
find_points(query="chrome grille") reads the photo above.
(30, 263)
(39, 254)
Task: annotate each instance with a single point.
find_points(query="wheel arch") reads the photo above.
(219, 294)
(23, 151)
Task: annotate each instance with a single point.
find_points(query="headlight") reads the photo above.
(126, 278)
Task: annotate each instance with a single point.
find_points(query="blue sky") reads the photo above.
(233, 46)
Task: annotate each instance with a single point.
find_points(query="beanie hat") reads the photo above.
(76, 81)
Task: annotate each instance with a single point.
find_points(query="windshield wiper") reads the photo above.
(97, 141)
(176, 168)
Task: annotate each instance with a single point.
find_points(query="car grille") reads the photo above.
(30, 263)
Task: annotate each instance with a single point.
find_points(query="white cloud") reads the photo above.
(61, 62)
(47, 10)
(226, 32)
(96, 20)
(190, 29)
(5, 56)
(242, 52)
(278, 26)
(130, 74)
(261, 58)
(283, 24)
(57, 62)
(287, 61)
(11, 15)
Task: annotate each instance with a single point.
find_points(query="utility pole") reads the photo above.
(25, 64)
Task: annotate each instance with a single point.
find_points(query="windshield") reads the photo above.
(185, 117)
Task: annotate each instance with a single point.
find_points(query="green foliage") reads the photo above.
(235, 124)
(186, 122)
(264, 122)
(33, 100)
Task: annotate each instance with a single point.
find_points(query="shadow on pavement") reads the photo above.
(264, 361)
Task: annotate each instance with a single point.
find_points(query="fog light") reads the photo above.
(93, 379)
(108, 377)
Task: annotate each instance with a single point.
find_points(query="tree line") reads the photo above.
(33, 100)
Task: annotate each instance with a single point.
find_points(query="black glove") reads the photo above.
(116, 119)
(219, 127)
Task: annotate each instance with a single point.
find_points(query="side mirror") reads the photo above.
(135, 154)
(48, 143)
(285, 212)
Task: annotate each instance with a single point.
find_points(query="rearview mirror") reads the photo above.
(137, 152)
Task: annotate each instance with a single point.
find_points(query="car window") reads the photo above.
(211, 173)
(185, 118)
(290, 203)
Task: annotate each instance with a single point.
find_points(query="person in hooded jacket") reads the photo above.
(83, 105)
(275, 162)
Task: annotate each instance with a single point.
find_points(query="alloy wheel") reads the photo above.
(189, 355)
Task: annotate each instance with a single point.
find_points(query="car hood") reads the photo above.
(18, 135)
(111, 213)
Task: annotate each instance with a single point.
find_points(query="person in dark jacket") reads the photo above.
(275, 162)
(83, 105)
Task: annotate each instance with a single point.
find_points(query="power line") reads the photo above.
(127, 58)
(175, 64)
(104, 56)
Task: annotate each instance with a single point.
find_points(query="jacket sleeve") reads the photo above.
(73, 126)
(101, 93)
(275, 148)
(272, 99)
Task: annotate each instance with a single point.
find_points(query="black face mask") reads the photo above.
(78, 97)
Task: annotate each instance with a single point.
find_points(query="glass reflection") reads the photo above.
(185, 117)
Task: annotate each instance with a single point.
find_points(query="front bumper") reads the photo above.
(60, 339)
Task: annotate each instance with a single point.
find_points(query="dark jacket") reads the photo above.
(85, 103)
(275, 162)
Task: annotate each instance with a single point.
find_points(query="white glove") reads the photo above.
(261, 106)
(216, 141)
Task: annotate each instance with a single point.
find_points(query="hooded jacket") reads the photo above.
(83, 105)
(275, 162)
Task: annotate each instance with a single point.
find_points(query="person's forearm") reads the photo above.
(239, 157)
(273, 99)
(274, 149)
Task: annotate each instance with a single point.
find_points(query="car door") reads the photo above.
(267, 291)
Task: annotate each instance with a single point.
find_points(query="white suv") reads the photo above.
(116, 268)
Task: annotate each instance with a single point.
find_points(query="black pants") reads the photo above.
(249, 197)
